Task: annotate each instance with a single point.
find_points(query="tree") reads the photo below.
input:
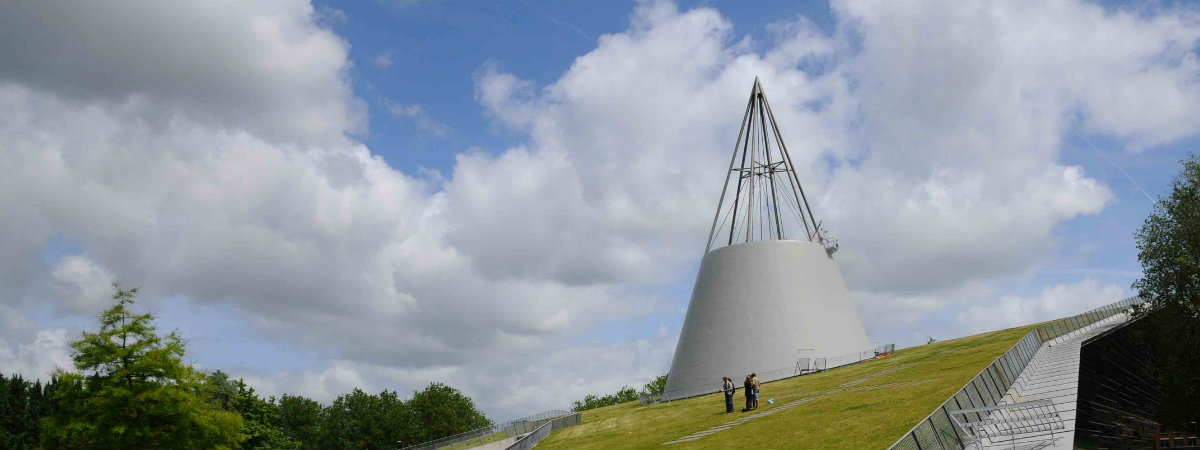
(260, 418)
(133, 391)
(625, 394)
(1169, 249)
(300, 420)
(18, 420)
(656, 387)
(441, 411)
(359, 420)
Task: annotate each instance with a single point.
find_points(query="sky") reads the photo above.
(513, 197)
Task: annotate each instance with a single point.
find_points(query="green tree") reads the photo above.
(18, 412)
(625, 394)
(656, 387)
(1169, 249)
(359, 420)
(440, 411)
(300, 420)
(133, 391)
(260, 418)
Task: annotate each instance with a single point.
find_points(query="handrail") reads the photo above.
(529, 440)
(491, 433)
(814, 365)
(937, 431)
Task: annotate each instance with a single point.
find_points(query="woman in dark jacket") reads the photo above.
(748, 387)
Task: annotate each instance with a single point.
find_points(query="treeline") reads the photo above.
(22, 405)
(130, 389)
(625, 394)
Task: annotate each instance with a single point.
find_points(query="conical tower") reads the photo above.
(769, 297)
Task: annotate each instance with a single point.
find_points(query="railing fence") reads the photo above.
(484, 435)
(804, 365)
(528, 441)
(937, 431)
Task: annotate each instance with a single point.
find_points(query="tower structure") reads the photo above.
(769, 297)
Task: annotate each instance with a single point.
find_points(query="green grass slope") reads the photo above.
(863, 406)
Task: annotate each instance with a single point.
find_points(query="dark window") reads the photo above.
(1192, 441)
(1164, 443)
(1178, 442)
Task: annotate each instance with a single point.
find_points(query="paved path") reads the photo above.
(1054, 374)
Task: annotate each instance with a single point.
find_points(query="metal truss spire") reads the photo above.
(767, 201)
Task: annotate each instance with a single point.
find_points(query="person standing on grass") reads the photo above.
(755, 383)
(728, 388)
(748, 386)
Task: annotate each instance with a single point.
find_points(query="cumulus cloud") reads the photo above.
(383, 60)
(82, 285)
(1054, 302)
(208, 153)
(264, 67)
(936, 160)
(417, 113)
(36, 357)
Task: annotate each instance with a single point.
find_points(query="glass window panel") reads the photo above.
(946, 430)
(907, 443)
(925, 438)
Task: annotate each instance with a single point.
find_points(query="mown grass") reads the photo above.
(865, 415)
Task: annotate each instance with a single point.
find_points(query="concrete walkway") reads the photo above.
(498, 445)
(1054, 374)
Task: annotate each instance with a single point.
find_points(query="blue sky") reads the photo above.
(387, 193)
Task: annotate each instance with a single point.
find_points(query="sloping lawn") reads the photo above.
(862, 406)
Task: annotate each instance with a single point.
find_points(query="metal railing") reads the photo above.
(493, 433)
(937, 431)
(885, 349)
(803, 366)
(529, 440)
(649, 399)
(1008, 421)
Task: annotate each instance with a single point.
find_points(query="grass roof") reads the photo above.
(862, 406)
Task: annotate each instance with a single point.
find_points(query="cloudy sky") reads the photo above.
(513, 197)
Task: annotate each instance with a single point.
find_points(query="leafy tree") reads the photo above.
(1169, 249)
(300, 420)
(21, 404)
(133, 391)
(625, 394)
(441, 411)
(260, 418)
(359, 420)
(656, 387)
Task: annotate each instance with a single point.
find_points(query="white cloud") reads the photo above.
(509, 387)
(416, 112)
(264, 67)
(82, 285)
(203, 152)
(330, 15)
(35, 359)
(383, 60)
(1054, 302)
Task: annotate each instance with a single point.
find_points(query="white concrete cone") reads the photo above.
(754, 307)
